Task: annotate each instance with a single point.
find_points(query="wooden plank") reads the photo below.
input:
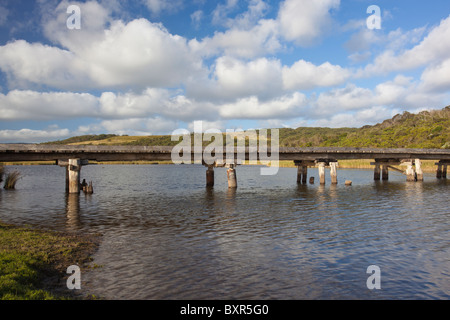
(31, 152)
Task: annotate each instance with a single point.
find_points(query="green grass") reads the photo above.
(33, 263)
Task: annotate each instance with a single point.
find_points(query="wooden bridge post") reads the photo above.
(322, 172)
(419, 171)
(439, 170)
(210, 176)
(385, 172)
(231, 175)
(304, 174)
(410, 173)
(302, 171)
(444, 171)
(333, 172)
(299, 174)
(73, 170)
(376, 172)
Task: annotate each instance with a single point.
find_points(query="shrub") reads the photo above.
(11, 180)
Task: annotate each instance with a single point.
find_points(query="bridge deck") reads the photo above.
(37, 152)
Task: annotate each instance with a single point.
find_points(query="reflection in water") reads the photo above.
(166, 236)
(73, 211)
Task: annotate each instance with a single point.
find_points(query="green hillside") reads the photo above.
(427, 129)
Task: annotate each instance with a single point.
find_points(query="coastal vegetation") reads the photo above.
(11, 178)
(427, 129)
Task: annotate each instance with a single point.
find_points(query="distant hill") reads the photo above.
(427, 129)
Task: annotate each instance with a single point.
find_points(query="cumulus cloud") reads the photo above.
(250, 35)
(137, 54)
(303, 21)
(252, 108)
(28, 65)
(303, 75)
(35, 136)
(33, 105)
(436, 78)
(237, 79)
(256, 41)
(434, 48)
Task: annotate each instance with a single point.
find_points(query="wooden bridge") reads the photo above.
(74, 157)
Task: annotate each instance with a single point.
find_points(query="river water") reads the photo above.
(166, 236)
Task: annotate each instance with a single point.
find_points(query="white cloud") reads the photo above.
(196, 18)
(235, 78)
(137, 55)
(348, 98)
(252, 108)
(130, 104)
(138, 126)
(436, 78)
(32, 105)
(249, 35)
(220, 13)
(304, 21)
(202, 126)
(26, 64)
(32, 136)
(303, 75)
(363, 40)
(434, 48)
(261, 39)
(357, 119)
(157, 6)
(401, 93)
(246, 20)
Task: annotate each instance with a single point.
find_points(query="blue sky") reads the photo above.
(142, 67)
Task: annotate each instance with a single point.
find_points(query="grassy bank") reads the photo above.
(427, 165)
(33, 263)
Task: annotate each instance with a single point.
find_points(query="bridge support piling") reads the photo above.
(304, 174)
(73, 175)
(73, 169)
(384, 172)
(302, 171)
(419, 171)
(210, 177)
(231, 175)
(376, 172)
(410, 173)
(333, 172)
(322, 172)
(439, 171)
(299, 174)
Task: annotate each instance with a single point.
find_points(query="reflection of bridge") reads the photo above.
(73, 157)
